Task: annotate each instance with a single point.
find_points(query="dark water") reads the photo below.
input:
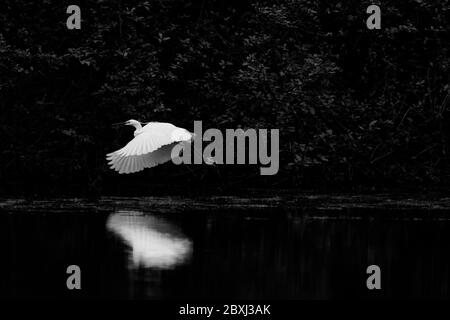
(234, 254)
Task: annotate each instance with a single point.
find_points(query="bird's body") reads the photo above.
(152, 145)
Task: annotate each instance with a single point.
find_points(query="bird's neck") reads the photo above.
(138, 127)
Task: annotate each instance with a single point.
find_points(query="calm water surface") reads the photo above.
(234, 254)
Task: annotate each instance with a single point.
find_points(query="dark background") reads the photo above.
(357, 109)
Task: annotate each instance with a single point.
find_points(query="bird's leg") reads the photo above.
(208, 160)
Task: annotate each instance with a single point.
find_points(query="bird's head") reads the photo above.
(131, 122)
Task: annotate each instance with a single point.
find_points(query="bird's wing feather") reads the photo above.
(131, 164)
(151, 147)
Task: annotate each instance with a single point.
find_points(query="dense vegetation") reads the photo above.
(355, 107)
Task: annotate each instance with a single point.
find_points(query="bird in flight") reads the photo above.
(152, 145)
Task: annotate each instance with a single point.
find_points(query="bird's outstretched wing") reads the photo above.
(148, 149)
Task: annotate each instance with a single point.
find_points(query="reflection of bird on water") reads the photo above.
(154, 242)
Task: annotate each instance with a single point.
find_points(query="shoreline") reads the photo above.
(303, 204)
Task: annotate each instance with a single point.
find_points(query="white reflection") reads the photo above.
(154, 242)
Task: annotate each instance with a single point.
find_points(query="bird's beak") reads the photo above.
(119, 123)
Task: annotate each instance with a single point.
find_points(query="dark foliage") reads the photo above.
(355, 107)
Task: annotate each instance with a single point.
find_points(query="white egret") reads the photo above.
(152, 145)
